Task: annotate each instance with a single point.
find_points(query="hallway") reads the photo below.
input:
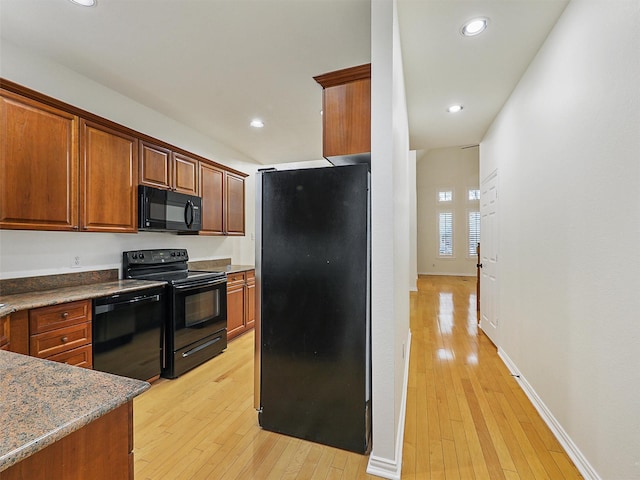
(467, 418)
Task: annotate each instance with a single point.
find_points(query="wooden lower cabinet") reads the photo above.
(250, 309)
(62, 333)
(5, 337)
(240, 303)
(101, 450)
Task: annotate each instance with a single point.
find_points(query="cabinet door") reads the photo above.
(235, 305)
(250, 308)
(212, 193)
(347, 119)
(4, 333)
(39, 165)
(155, 166)
(234, 208)
(185, 174)
(109, 179)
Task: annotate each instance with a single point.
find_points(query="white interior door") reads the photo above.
(489, 257)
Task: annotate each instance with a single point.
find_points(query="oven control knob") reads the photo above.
(141, 255)
(134, 256)
(173, 254)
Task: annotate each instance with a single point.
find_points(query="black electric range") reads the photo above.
(196, 326)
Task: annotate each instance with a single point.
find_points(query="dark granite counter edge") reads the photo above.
(26, 301)
(213, 266)
(132, 388)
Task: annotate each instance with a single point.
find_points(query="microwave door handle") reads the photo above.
(188, 209)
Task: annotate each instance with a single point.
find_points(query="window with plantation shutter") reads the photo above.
(445, 232)
(473, 229)
(445, 196)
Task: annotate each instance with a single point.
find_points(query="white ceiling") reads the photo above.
(216, 64)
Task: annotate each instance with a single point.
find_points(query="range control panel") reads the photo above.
(154, 257)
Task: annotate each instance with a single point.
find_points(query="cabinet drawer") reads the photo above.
(46, 344)
(251, 276)
(80, 357)
(56, 316)
(235, 278)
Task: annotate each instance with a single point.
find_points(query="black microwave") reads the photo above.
(164, 210)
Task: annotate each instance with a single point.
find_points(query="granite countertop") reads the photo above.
(25, 301)
(235, 268)
(43, 401)
(213, 266)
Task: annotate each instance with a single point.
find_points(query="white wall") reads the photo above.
(413, 219)
(567, 150)
(454, 169)
(28, 253)
(391, 227)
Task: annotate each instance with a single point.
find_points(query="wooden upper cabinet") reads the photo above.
(185, 174)
(108, 179)
(222, 195)
(234, 207)
(212, 193)
(38, 165)
(346, 111)
(163, 168)
(155, 166)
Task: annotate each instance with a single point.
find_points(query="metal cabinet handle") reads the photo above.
(64, 339)
(65, 315)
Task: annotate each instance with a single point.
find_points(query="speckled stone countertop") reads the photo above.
(43, 401)
(25, 301)
(212, 266)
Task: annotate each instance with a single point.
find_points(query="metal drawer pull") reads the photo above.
(64, 339)
(65, 315)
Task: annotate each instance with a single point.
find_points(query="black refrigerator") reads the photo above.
(313, 349)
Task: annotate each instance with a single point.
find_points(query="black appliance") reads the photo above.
(196, 325)
(127, 333)
(312, 286)
(164, 210)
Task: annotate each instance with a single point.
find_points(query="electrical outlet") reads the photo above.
(76, 261)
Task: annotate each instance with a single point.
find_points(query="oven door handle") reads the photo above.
(205, 283)
(109, 307)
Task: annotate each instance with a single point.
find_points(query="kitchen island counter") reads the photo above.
(41, 402)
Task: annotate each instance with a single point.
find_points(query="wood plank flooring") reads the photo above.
(466, 416)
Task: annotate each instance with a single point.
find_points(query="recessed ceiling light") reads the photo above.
(85, 3)
(454, 108)
(475, 26)
(257, 123)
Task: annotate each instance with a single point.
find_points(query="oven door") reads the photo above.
(199, 310)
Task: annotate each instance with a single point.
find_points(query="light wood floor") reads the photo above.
(466, 416)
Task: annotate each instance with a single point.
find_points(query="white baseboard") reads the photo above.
(580, 461)
(391, 468)
(447, 274)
